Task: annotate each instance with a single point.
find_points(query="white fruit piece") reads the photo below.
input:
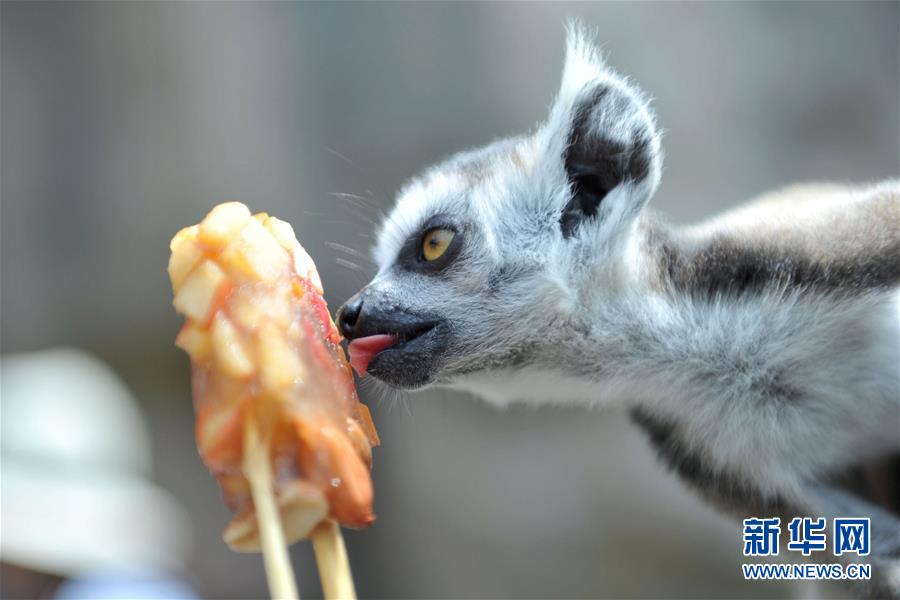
(195, 297)
(279, 365)
(294, 331)
(305, 267)
(248, 310)
(183, 259)
(215, 421)
(283, 232)
(222, 222)
(302, 507)
(184, 234)
(194, 340)
(230, 353)
(303, 264)
(254, 253)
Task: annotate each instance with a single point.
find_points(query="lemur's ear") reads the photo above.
(602, 137)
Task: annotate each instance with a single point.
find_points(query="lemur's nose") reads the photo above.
(348, 316)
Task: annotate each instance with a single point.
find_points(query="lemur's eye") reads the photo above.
(435, 242)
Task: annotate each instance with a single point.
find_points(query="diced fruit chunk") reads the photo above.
(279, 364)
(219, 434)
(302, 507)
(222, 222)
(184, 258)
(183, 235)
(195, 297)
(194, 340)
(254, 253)
(283, 232)
(249, 311)
(229, 350)
(306, 268)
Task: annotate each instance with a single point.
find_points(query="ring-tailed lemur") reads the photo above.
(759, 350)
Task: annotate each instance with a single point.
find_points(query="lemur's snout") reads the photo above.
(390, 340)
(348, 316)
(369, 313)
(363, 346)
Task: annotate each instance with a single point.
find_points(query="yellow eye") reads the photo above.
(435, 243)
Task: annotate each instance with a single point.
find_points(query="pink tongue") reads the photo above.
(363, 350)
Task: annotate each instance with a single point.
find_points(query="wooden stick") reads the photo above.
(331, 558)
(258, 471)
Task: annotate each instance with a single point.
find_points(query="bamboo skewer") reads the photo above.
(331, 558)
(280, 575)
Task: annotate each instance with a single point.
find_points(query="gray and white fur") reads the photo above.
(758, 349)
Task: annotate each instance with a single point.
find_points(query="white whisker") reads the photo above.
(346, 263)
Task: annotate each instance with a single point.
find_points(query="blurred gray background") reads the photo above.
(122, 122)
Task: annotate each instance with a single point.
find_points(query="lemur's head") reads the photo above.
(490, 256)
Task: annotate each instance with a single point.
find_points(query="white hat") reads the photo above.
(75, 489)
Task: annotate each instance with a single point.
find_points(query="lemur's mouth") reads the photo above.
(364, 350)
